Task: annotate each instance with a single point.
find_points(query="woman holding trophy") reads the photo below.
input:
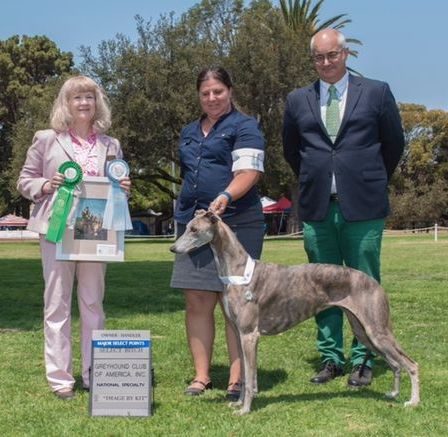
(75, 146)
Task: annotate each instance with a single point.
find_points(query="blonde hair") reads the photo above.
(61, 119)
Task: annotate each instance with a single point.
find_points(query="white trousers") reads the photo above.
(59, 279)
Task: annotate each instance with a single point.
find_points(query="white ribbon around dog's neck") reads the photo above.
(241, 280)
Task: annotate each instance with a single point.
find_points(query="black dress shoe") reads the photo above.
(329, 371)
(358, 379)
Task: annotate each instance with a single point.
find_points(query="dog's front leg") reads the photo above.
(249, 343)
(240, 400)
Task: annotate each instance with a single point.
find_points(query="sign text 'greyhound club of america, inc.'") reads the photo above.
(121, 378)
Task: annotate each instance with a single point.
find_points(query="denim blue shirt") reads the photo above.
(206, 162)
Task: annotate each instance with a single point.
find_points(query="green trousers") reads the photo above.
(356, 245)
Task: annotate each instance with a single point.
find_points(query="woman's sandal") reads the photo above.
(234, 391)
(196, 391)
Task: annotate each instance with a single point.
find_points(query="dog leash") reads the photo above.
(241, 280)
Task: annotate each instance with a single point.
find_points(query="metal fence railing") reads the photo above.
(436, 230)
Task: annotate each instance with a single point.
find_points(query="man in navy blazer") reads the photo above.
(343, 177)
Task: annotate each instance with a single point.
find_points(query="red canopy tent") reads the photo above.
(281, 206)
(277, 211)
(12, 220)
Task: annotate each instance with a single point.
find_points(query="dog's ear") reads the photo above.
(212, 216)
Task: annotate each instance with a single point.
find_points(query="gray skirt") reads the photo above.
(197, 270)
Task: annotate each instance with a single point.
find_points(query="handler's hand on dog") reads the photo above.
(219, 205)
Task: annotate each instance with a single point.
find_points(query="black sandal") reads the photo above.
(194, 391)
(234, 391)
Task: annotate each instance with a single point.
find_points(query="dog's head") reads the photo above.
(200, 231)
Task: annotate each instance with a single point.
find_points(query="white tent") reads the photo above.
(267, 201)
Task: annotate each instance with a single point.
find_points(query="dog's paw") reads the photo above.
(241, 412)
(235, 404)
(392, 394)
(411, 403)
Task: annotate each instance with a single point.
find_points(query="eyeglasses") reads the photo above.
(331, 56)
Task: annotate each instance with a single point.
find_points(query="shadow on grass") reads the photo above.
(131, 288)
(267, 379)
(261, 401)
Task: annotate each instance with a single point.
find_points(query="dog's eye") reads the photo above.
(193, 229)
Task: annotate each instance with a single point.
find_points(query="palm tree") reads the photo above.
(301, 16)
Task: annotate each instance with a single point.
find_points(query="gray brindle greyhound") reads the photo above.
(266, 299)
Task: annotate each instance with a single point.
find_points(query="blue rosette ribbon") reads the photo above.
(116, 213)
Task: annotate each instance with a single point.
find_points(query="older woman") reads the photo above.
(221, 158)
(79, 119)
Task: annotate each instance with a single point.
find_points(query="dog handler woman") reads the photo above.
(79, 119)
(221, 156)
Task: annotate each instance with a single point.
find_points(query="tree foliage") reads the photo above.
(151, 92)
(420, 186)
(303, 16)
(151, 84)
(27, 64)
(34, 116)
(268, 61)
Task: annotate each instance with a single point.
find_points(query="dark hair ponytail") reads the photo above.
(217, 73)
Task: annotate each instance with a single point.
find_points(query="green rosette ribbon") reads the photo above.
(64, 200)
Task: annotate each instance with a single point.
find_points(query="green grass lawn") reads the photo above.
(414, 273)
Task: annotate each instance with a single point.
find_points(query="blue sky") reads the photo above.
(403, 41)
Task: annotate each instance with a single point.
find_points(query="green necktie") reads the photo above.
(332, 121)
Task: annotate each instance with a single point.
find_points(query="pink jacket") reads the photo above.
(48, 151)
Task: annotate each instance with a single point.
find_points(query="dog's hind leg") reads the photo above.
(358, 329)
(249, 344)
(380, 339)
(397, 359)
(393, 394)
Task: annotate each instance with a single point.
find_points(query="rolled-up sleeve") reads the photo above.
(248, 150)
(248, 159)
